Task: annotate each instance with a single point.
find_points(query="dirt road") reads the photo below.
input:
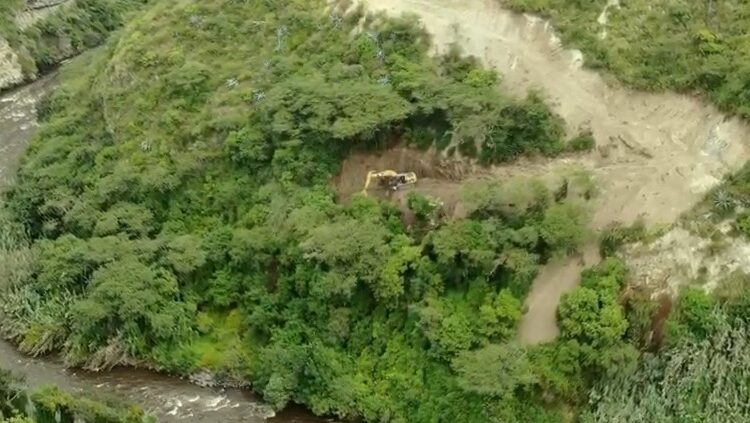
(657, 154)
(556, 278)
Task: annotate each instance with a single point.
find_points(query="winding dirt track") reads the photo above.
(657, 154)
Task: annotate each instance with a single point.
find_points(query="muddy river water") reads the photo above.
(170, 399)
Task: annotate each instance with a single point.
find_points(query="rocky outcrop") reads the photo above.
(37, 10)
(681, 257)
(31, 16)
(40, 4)
(11, 73)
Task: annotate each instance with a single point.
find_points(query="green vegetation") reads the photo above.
(730, 197)
(616, 235)
(50, 405)
(694, 381)
(175, 209)
(8, 11)
(592, 343)
(702, 375)
(582, 142)
(685, 45)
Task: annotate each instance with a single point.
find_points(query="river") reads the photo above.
(170, 399)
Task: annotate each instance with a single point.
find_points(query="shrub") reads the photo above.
(582, 142)
(615, 235)
(424, 207)
(563, 227)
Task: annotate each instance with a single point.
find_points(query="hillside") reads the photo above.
(193, 203)
(691, 276)
(180, 215)
(694, 46)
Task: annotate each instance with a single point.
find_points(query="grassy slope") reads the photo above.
(682, 45)
(9, 9)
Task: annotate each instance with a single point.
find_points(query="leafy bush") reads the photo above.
(423, 207)
(561, 226)
(494, 370)
(582, 142)
(592, 316)
(694, 316)
(527, 127)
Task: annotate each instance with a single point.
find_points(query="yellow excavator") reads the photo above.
(389, 179)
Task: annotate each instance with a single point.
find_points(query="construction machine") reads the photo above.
(389, 179)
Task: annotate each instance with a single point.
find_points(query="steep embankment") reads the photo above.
(38, 10)
(11, 72)
(169, 399)
(657, 154)
(17, 17)
(36, 35)
(17, 124)
(48, 404)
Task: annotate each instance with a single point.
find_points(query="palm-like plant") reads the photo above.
(722, 200)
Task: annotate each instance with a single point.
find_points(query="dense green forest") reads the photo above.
(175, 210)
(51, 405)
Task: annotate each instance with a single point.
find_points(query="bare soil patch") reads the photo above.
(437, 176)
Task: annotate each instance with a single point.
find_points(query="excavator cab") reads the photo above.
(389, 179)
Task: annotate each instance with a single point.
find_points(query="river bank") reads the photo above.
(36, 36)
(170, 399)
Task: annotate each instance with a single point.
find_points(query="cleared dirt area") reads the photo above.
(437, 177)
(656, 156)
